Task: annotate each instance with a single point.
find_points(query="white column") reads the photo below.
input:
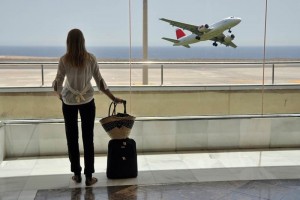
(145, 41)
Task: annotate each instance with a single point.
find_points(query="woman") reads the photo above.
(79, 67)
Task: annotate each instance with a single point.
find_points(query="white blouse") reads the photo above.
(77, 88)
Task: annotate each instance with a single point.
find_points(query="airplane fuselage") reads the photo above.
(214, 30)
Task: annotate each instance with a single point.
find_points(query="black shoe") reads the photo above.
(90, 181)
(76, 178)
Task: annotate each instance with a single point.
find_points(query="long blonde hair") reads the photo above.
(76, 54)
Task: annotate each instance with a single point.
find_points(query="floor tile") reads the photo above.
(15, 167)
(263, 190)
(12, 184)
(27, 195)
(10, 195)
(47, 182)
(174, 176)
(165, 162)
(50, 166)
(240, 196)
(281, 158)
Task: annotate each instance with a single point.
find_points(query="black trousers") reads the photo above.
(87, 114)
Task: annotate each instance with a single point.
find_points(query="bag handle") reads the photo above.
(114, 110)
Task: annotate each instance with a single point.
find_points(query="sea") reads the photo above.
(162, 53)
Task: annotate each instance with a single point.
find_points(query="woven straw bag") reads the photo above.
(117, 126)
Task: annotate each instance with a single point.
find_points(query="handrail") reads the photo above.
(161, 62)
(163, 89)
(179, 118)
(157, 64)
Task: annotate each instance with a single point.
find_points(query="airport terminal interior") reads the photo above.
(217, 113)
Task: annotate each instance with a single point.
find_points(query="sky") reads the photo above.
(106, 22)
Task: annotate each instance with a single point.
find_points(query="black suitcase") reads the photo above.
(121, 159)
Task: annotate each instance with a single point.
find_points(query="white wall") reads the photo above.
(169, 134)
(41, 103)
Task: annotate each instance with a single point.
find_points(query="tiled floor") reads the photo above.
(231, 190)
(198, 175)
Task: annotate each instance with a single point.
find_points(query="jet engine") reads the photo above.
(203, 28)
(229, 38)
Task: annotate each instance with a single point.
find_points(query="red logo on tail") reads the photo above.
(179, 33)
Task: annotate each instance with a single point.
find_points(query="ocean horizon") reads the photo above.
(162, 53)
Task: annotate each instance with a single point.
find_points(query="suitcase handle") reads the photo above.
(114, 110)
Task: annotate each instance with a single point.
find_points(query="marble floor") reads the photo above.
(183, 175)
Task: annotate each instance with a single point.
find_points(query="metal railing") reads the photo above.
(164, 69)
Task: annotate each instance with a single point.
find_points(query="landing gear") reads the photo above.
(229, 31)
(215, 44)
(197, 37)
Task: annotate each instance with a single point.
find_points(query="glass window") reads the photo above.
(189, 51)
(283, 42)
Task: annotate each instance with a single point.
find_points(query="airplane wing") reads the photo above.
(192, 28)
(220, 39)
(232, 44)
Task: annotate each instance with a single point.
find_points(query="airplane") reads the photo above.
(204, 32)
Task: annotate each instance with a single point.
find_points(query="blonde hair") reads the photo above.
(76, 54)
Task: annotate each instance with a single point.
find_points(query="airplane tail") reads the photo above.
(179, 33)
